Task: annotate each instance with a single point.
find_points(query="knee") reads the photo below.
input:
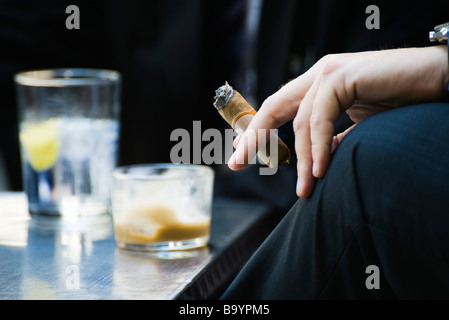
(400, 146)
(399, 164)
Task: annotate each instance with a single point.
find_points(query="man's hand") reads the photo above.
(362, 84)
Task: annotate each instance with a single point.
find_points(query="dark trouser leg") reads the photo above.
(384, 201)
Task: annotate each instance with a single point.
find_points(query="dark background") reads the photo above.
(173, 54)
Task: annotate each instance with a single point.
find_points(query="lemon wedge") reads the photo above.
(40, 142)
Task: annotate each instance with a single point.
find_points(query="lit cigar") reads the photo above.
(239, 113)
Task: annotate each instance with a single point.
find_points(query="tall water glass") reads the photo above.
(68, 133)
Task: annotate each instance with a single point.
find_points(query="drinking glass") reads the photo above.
(68, 133)
(160, 207)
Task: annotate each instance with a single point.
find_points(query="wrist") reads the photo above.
(443, 66)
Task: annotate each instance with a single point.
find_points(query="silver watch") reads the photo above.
(440, 33)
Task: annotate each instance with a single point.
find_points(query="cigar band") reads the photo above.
(241, 114)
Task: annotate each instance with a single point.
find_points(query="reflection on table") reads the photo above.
(76, 258)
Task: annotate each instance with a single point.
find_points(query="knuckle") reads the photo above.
(326, 58)
(268, 104)
(316, 120)
(330, 63)
(299, 123)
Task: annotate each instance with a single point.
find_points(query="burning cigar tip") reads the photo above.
(223, 95)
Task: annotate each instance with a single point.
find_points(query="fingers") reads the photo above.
(315, 101)
(339, 137)
(246, 149)
(359, 112)
(325, 112)
(236, 141)
(275, 111)
(314, 132)
(336, 92)
(374, 80)
(301, 127)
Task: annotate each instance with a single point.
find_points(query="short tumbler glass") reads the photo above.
(162, 207)
(68, 132)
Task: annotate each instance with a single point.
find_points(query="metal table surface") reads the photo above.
(73, 258)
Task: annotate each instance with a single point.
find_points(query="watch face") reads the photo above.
(442, 26)
(440, 33)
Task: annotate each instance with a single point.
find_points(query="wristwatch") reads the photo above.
(440, 33)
